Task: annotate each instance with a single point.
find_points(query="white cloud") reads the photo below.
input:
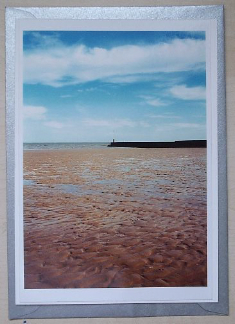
(34, 112)
(60, 65)
(139, 77)
(91, 90)
(185, 93)
(187, 125)
(156, 102)
(54, 124)
(46, 40)
(114, 124)
(153, 101)
(166, 116)
(39, 113)
(66, 96)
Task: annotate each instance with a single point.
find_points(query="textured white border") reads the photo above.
(123, 295)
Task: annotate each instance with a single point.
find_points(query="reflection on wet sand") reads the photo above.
(115, 218)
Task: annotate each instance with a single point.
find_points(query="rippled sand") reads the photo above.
(115, 217)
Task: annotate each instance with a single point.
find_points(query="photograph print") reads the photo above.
(114, 159)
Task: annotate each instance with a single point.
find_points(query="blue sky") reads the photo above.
(131, 86)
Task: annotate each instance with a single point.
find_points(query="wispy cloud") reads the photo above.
(39, 113)
(187, 125)
(166, 116)
(133, 78)
(61, 65)
(185, 93)
(43, 40)
(156, 102)
(34, 112)
(117, 123)
(66, 96)
(54, 124)
(88, 89)
(152, 101)
(114, 124)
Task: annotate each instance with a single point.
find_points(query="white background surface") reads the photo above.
(230, 90)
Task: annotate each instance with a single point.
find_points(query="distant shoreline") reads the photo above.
(64, 146)
(107, 145)
(176, 144)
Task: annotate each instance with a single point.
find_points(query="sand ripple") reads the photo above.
(115, 218)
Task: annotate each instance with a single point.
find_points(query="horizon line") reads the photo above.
(115, 141)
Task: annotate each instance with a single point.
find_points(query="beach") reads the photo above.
(115, 218)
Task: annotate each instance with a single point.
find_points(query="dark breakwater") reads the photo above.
(175, 144)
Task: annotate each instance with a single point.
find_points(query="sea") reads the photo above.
(64, 146)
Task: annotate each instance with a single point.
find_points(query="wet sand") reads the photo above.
(115, 217)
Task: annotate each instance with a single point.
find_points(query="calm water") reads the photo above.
(63, 146)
